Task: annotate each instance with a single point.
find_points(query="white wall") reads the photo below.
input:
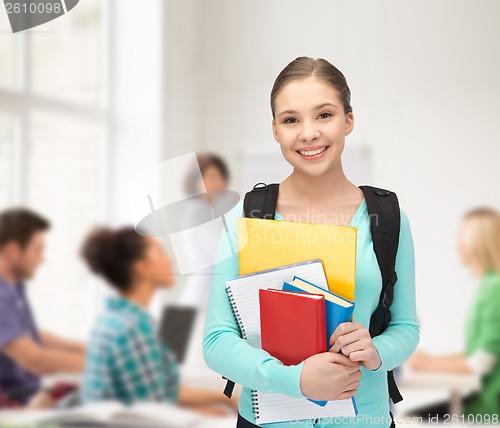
(425, 92)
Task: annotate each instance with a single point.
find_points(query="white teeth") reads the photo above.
(312, 152)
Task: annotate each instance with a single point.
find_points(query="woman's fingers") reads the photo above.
(351, 370)
(345, 340)
(343, 359)
(349, 390)
(358, 345)
(345, 395)
(354, 376)
(352, 386)
(344, 328)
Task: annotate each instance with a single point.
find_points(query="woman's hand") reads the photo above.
(41, 400)
(233, 402)
(419, 360)
(354, 341)
(329, 376)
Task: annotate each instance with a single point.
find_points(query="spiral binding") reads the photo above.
(255, 404)
(236, 312)
(255, 398)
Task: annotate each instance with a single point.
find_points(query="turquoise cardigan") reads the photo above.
(227, 353)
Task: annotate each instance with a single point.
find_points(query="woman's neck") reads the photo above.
(141, 293)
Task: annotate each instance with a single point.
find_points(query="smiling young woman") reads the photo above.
(311, 117)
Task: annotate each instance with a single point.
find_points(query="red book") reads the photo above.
(292, 324)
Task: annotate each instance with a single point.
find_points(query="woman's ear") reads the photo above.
(275, 131)
(140, 268)
(349, 123)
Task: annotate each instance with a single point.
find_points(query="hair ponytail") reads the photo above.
(112, 253)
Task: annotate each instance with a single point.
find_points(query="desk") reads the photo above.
(194, 372)
(429, 387)
(13, 418)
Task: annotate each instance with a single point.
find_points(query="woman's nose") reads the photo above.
(309, 131)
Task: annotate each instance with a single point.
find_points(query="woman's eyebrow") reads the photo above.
(287, 112)
(326, 104)
(320, 106)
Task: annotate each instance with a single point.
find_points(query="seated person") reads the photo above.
(25, 352)
(479, 249)
(126, 360)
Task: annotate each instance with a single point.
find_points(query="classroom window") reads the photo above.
(54, 141)
(6, 154)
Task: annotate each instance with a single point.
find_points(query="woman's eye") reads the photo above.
(289, 120)
(324, 115)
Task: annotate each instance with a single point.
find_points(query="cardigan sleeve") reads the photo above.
(398, 342)
(224, 350)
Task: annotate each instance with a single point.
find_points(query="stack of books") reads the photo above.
(288, 300)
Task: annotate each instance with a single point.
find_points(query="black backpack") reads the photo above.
(383, 210)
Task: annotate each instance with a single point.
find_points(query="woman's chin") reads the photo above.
(166, 283)
(313, 170)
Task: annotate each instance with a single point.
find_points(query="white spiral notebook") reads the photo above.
(243, 292)
(270, 408)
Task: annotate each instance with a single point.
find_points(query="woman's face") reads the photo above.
(309, 116)
(462, 250)
(156, 265)
(213, 179)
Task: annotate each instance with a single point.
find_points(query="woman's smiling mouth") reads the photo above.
(313, 152)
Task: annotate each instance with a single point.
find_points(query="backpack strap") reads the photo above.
(383, 209)
(260, 202)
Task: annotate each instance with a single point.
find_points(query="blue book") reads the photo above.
(338, 309)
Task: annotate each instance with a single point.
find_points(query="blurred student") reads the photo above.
(214, 180)
(26, 353)
(479, 250)
(126, 360)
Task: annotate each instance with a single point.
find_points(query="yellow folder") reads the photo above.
(267, 244)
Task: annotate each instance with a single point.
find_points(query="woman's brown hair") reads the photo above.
(304, 66)
(112, 254)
